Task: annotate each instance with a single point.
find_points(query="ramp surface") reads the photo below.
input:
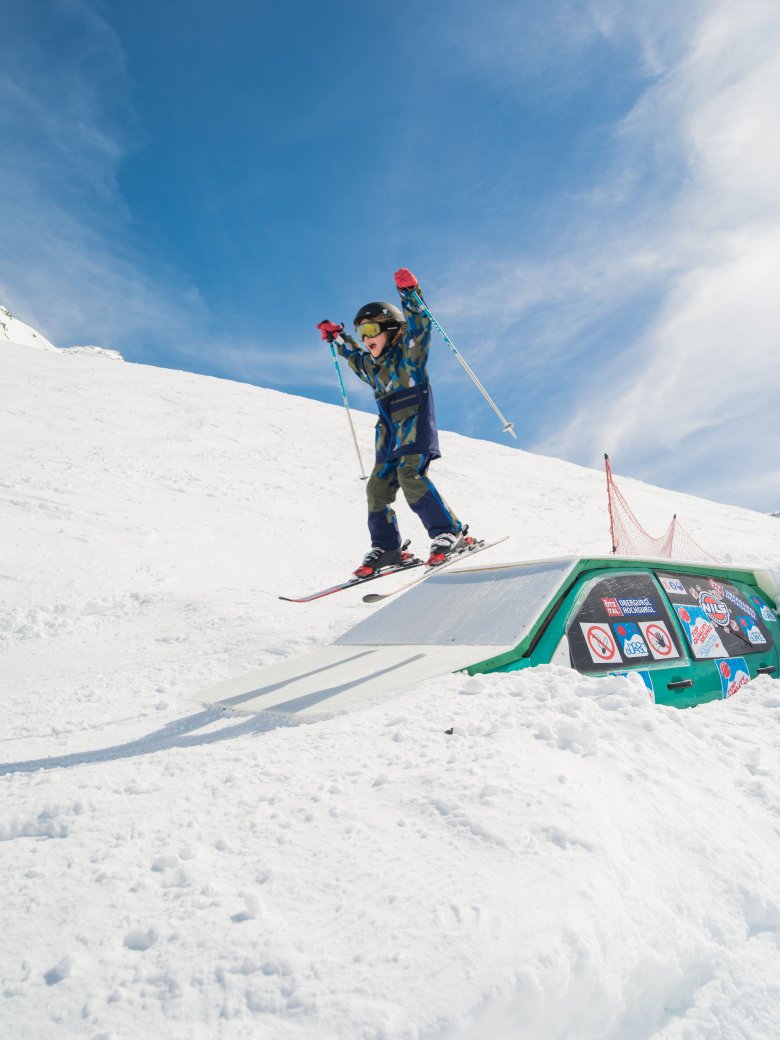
(478, 606)
(336, 678)
(448, 622)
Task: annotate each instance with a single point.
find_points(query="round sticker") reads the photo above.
(715, 609)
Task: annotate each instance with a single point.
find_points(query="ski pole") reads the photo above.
(346, 408)
(508, 427)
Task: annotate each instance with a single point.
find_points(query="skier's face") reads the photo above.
(375, 344)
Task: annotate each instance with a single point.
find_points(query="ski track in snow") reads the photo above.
(571, 862)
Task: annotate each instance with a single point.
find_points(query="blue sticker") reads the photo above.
(637, 605)
(630, 639)
(739, 603)
(672, 585)
(734, 673)
(751, 631)
(766, 612)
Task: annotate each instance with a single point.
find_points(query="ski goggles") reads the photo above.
(369, 329)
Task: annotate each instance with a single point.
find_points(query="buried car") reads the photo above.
(692, 632)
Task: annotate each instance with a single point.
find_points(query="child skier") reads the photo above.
(394, 364)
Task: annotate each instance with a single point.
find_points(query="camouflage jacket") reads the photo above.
(399, 379)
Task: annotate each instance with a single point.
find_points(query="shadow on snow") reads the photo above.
(177, 734)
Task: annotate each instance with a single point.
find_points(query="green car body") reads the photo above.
(693, 632)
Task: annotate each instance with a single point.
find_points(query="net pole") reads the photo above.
(608, 469)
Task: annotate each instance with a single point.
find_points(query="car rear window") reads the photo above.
(719, 618)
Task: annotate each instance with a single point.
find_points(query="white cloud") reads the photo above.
(706, 376)
(689, 207)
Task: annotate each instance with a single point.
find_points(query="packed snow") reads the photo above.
(571, 861)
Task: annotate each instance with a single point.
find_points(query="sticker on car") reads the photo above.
(673, 586)
(700, 631)
(766, 612)
(659, 640)
(714, 606)
(734, 673)
(601, 643)
(751, 630)
(630, 639)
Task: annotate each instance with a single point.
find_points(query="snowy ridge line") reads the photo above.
(112, 355)
(17, 332)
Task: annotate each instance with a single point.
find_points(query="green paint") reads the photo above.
(701, 678)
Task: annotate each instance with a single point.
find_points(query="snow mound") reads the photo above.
(15, 331)
(113, 355)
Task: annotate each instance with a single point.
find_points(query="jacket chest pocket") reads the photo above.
(404, 402)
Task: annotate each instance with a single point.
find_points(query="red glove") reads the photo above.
(404, 279)
(329, 330)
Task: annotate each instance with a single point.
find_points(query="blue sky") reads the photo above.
(589, 193)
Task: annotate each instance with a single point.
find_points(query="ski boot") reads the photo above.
(444, 545)
(376, 559)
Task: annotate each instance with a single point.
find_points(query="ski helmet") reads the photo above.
(386, 314)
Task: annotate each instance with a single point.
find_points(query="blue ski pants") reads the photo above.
(410, 474)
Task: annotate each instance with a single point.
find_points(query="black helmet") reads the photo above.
(384, 313)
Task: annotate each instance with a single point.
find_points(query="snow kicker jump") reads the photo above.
(449, 622)
(690, 632)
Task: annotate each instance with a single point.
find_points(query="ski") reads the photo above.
(352, 582)
(461, 554)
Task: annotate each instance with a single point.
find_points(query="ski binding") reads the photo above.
(459, 554)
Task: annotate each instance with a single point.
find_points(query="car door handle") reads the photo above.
(679, 684)
(766, 669)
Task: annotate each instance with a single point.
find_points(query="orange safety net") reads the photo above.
(629, 538)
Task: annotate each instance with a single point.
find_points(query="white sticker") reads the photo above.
(601, 643)
(673, 586)
(658, 639)
(702, 636)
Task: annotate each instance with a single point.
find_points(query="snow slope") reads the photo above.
(15, 331)
(571, 862)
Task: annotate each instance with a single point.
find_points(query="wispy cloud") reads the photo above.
(72, 261)
(701, 382)
(654, 312)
